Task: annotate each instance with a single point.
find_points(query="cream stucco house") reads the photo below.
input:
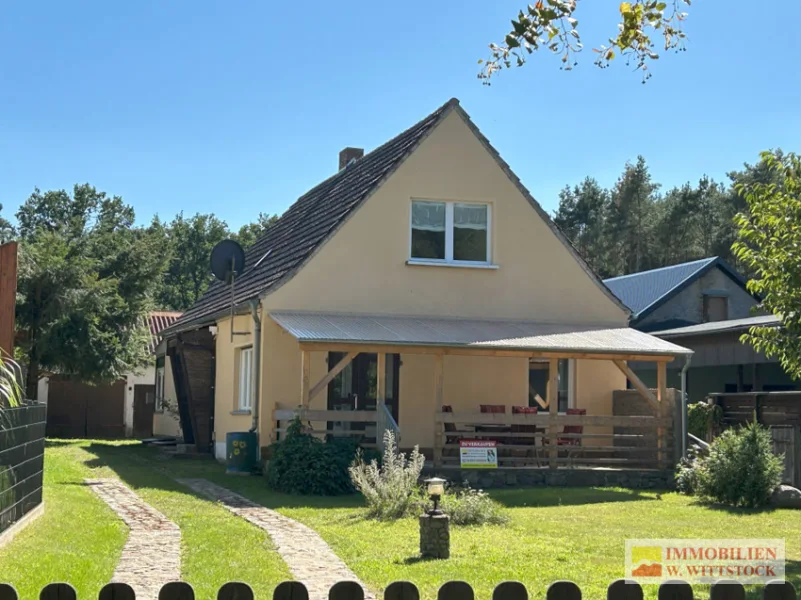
(419, 282)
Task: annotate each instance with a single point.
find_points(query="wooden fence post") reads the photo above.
(117, 591)
(401, 590)
(439, 381)
(727, 590)
(290, 590)
(456, 590)
(176, 590)
(553, 410)
(509, 590)
(235, 590)
(58, 591)
(624, 590)
(7, 592)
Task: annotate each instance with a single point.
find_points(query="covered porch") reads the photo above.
(545, 398)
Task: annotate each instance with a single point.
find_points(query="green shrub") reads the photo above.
(303, 464)
(688, 469)
(703, 420)
(741, 469)
(392, 489)
(468, 506)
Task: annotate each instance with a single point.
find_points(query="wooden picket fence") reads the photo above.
(404, 590)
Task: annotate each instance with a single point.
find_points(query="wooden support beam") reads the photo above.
(661, 396)
(553, 409)
(305, 373)
(475, 351)
(380, 380)
(329, 377)
(439, 380)
(638, 384)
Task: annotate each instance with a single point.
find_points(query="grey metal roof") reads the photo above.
(719, 326)
(641, 291)
(477, 333)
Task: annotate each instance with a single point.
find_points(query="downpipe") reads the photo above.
(254, 311)
(684, 399)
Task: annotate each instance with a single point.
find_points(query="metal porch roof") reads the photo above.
(719, 326)
(475, 333)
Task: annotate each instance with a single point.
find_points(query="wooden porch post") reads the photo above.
(661, 396)
(380, 398)
(305, 373)
(553, 410)
(439, 378)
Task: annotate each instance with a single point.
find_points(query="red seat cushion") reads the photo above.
(493, 408)
(524, 410)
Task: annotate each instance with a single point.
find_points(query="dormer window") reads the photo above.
(450, 233)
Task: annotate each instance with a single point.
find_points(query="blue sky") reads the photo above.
(239, 107)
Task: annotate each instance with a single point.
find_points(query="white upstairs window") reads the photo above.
(245, 379)
(450, 232)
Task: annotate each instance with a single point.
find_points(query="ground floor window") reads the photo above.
(159, 389)
(245, 378)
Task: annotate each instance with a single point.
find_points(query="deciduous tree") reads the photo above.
(769, 241)
(86, 281)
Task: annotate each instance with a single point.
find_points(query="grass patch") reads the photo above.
(78, 538)
(553, 533)
(217, 546)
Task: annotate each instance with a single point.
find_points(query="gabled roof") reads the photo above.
(643, 292)
(315, 216)
(158, 321)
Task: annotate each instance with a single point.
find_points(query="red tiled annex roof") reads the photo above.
(158, 321)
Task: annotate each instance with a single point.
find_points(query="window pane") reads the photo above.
(428, 230)
(245, 383)
(470, 232)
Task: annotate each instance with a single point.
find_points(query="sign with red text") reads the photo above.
(478, 454)
(705, 561)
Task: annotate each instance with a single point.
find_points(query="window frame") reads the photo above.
(244, 403)
(159, 401)
(450, 206)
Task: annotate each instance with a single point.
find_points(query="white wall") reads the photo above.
(145, 377)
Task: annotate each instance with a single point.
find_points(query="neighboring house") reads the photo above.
(703, 305)
(124, 408)
(420, 275)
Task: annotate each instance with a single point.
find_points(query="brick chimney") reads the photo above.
(349, 154)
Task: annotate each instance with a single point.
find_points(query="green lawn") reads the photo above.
(554, 533)
(79, 539)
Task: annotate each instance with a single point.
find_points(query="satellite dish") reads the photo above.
(227, 260)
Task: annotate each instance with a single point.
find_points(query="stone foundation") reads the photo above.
(435, 536)
(504, 477)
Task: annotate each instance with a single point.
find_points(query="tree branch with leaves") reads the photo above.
(553, 25)
(769, 241)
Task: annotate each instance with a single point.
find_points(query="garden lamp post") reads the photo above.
(435, 535)
(436, 489)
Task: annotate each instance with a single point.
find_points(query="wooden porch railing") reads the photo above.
(528, 440)
(363, 424)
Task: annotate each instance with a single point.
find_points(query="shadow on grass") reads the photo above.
(142, 466)
(567, 496)
(413, 560)
(733, 510)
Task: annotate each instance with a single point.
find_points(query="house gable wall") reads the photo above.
(362, 268)
(688, 304)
